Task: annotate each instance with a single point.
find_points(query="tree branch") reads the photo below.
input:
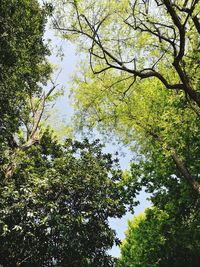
(180, 27)
(179, 163)
(33, 137)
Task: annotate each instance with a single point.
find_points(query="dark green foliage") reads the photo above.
(23, 67)
(56, 207)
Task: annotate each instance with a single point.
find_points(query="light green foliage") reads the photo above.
(143, 242)
(160, 111)
(159, 239)
(133, 37)
(139, 115)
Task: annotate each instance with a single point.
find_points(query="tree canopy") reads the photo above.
(157, 239)
(136, 57)
(140, 38)
(139, 82)
(55, 209)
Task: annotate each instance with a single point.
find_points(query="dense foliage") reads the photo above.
(56, 208)
(128, 41)
(24, 72)
(141, 83)
(158, 239)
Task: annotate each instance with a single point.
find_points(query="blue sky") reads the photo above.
(64, 111)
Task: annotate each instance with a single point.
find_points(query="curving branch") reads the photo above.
(91, 30)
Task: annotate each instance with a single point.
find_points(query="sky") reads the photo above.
(63, 112)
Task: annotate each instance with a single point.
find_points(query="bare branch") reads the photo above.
(102, 70)
(196, 23)
(32, 135)
(180, 27)
(129, 87)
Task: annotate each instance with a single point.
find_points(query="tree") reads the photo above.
(24, 73)
(158, 239)
(131, 46)
(131, 36)
(23, 63)
(55, 210)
